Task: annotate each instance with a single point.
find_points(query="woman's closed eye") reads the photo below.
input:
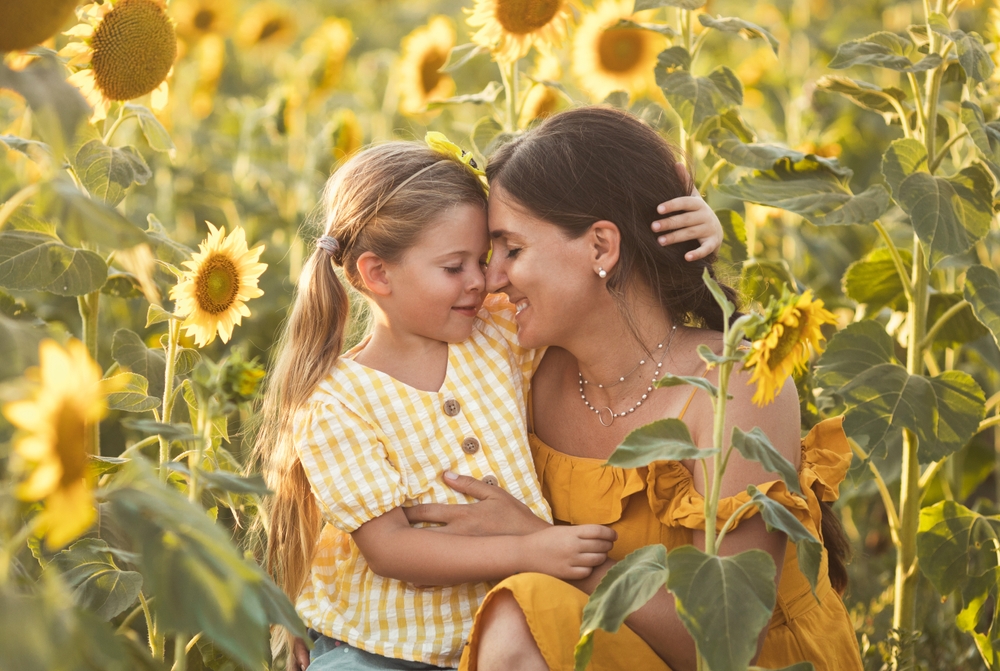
(512, 252)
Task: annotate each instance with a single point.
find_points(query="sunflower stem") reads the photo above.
(173, 334)
(90, 307)
(180, 653)
(897, 260)
(116, 125)
(195, 457)
(16, 201)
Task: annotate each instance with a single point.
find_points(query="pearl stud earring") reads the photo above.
(602, 273)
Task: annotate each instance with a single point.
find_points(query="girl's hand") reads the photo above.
(300, 656)
(696, 221)
(568, 552)
(496, 513)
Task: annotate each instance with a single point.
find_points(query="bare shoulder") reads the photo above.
(780, 420)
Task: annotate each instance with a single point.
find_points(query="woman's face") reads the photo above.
(545, 274)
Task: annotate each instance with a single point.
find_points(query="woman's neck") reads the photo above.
(609, 350)
(415, 360)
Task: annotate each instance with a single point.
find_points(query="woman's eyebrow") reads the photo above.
(500, 233)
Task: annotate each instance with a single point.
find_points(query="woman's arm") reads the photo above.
(394, 549)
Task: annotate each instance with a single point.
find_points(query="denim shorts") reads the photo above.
(332, 655)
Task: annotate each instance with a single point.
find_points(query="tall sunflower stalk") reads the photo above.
(783, 338)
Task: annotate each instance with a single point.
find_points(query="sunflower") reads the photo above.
(346, 136)
(790, 326)
(607, 59)
(25, 24)
(424, 52)
(325, 51)
(124, 50)
(541, 100)
(267, 24)
(220, 277)
(53, 439)
(210, 53)
(198, 18)
(510, 27)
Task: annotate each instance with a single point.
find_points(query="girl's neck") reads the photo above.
(412, 359)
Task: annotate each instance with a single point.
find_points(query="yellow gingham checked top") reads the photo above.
(370, 443)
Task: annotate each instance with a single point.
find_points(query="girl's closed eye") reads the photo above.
(454, 270)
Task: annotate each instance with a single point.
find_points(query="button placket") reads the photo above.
(470, 445)
(451, 407)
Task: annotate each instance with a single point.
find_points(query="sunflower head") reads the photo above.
(325, 52)
(221, 276)
(782, 339)
(509, 28)
(346, 135)
(608, 59)
(123, 50)
(424, 52)
(267, 24)
(198, 18)
(25, 24)
(52, 443)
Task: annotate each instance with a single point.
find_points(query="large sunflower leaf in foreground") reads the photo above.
(221, 276)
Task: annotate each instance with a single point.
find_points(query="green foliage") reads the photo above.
(724, 602)
(754, 445)
(777, 517)
(662, 440)
(624, 589)
(99, 585)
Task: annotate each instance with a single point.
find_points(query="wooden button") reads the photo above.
(491, 480)
(452, 407)
(470, 445)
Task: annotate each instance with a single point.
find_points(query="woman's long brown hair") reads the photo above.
(595, 163)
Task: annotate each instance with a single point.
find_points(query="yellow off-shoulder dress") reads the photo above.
(659, 504)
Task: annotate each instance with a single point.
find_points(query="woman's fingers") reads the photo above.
(301, 654)
(477, 489)
(428, 512)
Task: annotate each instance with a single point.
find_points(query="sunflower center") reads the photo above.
(217, 284)
(271, 27)
(790, 336)
(429, 75)
(620, 50)
(70, 427)
(134, 48)
(525, 16)
(204, 19)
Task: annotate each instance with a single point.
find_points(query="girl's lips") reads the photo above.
(470, 311)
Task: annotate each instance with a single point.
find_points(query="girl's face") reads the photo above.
(438, 285)
(545, 274)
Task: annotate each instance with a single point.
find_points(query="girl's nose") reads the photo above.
(496, 275)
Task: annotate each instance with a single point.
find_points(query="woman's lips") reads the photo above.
(520, 307)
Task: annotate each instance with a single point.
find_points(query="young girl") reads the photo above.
(438, 387)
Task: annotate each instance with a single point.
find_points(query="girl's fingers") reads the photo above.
(700, 253)
(590, 559)
(680, 204)
(682, 220)
(593, 545)
(683, 235)
(596, 532)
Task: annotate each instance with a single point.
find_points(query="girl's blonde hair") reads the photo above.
(379, 201)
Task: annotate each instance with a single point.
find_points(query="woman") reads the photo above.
(616, 311)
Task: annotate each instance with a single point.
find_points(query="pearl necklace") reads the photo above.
(649, 389)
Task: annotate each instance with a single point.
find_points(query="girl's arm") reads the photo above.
(694, 220)
(394, 549)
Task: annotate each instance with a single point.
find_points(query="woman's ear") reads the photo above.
(374, 275)
(605, 243)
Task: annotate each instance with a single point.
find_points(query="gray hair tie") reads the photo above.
(328, 244)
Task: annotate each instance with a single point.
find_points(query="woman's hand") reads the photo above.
(568, 552)
(300, 656)
(695, 221)
(496, 513)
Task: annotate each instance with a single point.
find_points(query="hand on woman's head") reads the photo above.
(692, 219)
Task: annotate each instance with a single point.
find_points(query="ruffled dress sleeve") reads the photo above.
(826, 456)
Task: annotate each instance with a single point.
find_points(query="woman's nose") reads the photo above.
(496, 275)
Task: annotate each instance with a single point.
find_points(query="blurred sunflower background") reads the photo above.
(135, 134)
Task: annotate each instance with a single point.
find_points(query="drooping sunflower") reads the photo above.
(267, 24)
(25, 24)
(424, 51)
(346, 135)
(220, 277)
(124, 50)
(541, 100)
(608, 59)
(781, 347)
(509, 28)
(53, 439)
(325, 51)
